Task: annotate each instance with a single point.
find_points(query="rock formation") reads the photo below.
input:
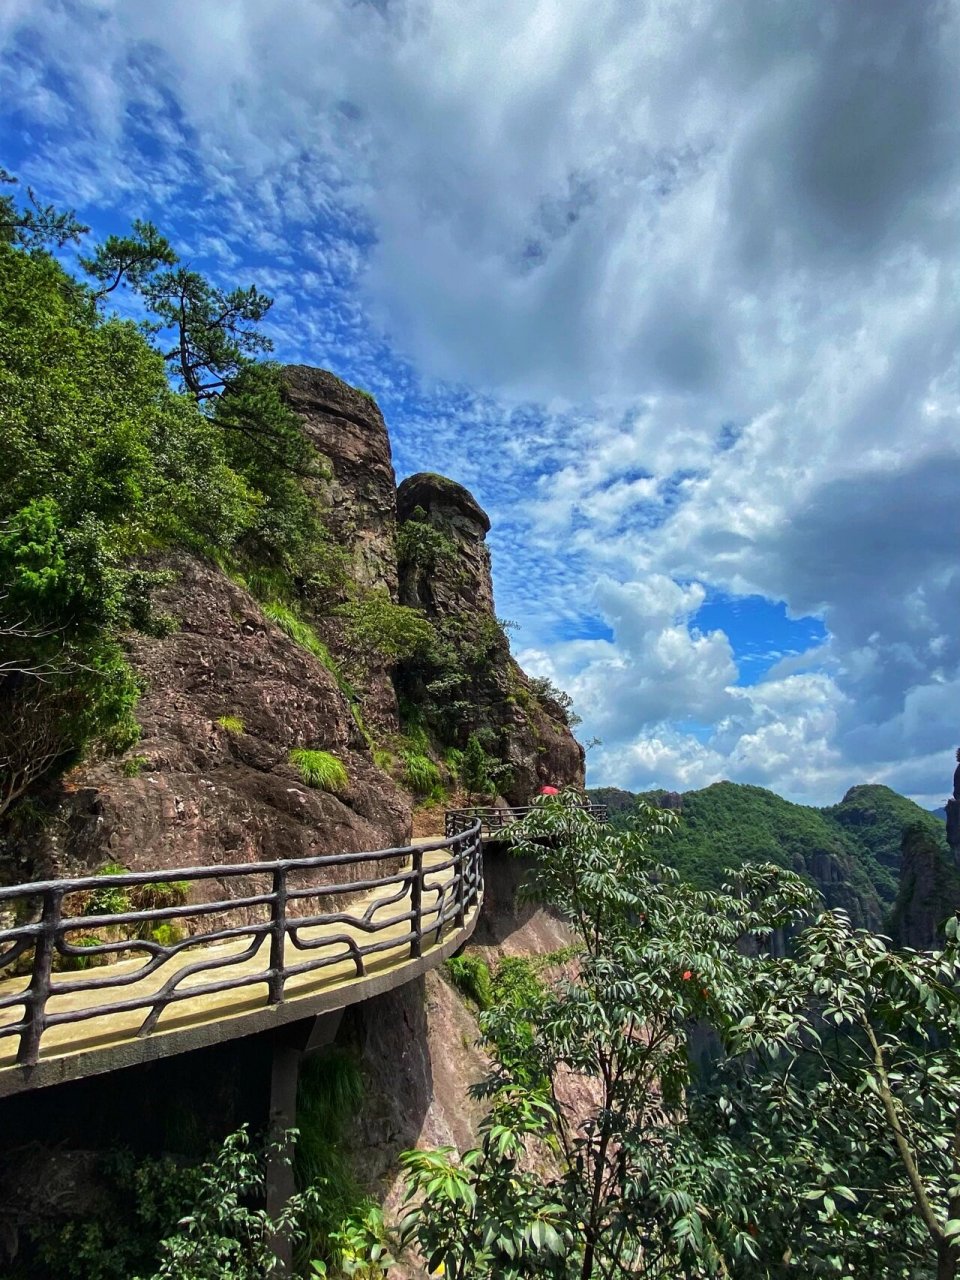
(229, 694)
(195, 792)
(526, 730)
(929, 892)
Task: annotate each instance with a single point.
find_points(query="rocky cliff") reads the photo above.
(471, 687)
(929, 891)
(243, 679)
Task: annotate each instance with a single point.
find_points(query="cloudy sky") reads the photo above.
(672, 285)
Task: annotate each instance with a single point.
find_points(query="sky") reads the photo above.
(673, 286)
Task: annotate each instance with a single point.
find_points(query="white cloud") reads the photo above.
(718, 244)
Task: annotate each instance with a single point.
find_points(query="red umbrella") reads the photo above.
(549, 791)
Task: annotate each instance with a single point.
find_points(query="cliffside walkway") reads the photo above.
(85, 988)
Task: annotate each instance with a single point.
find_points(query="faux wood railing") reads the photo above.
(274, 918)
(493, 820)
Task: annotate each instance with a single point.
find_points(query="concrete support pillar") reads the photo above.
(281, 1185)
(289, 1047)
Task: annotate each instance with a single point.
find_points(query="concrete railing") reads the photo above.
(66, 959)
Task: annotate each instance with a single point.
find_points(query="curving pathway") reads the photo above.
(390, 932)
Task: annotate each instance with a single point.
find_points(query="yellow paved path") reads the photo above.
(334, 985)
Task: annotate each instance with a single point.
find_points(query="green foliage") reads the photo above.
(133, 766)
(817, 1138)
(728, 824)
(139, 1203)
(77, 964)
(556, 701)
(395, 633)
(160, 893)
(109, 900)
(166, 934)
(320, 769)
(35, 226)
(874, 819)
(421, 775)
(481, 772)
(105, 462)
(232, 724)
(421, 546)
(471, 976)
(221, 1235)
(329, 1096)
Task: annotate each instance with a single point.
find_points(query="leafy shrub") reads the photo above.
(558, 701)
(471, 976)
(422, 776)
(232, 724)
(167, 934)
(320, 769)
(134, 766)
(329, 1096)
(392, 631)
(159, 893)
(109, 900)
(421, 545)
(479, 770)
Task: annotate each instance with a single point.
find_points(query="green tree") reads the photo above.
(816, 1135)
(37, 225)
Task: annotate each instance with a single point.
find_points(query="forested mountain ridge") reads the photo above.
(850, 850)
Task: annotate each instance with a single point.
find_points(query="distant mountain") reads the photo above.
(940, 813)
(851, 850)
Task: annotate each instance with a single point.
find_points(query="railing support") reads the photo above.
(278, 934)
(28, 1054)
(416, 903)
(461, 883)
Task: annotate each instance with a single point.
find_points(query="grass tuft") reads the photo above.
(320, 769)
(421, 775)
(232, 724)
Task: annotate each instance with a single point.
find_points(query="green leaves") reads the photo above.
(695, 1104)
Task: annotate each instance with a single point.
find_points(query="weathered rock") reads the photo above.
(929, 892)
(204, 794)
(529, 730)
(358, 500)
(463, 582)
(359, 496)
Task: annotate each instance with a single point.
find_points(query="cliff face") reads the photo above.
(228, 695)
(445, 571)
(358, 496)
(929, 892)
(203, 793)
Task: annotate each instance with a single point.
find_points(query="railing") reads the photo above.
(54, 933)
(493, 820)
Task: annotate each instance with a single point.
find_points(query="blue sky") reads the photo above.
(670, 285)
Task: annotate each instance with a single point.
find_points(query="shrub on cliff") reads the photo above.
(105, 462)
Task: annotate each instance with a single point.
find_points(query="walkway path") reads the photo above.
(385, 936)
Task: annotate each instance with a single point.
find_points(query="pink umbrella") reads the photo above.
(549, 791)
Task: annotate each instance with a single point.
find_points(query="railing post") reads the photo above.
(461, 915)
(36, 1002)
(416, 903)
(278, 934)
